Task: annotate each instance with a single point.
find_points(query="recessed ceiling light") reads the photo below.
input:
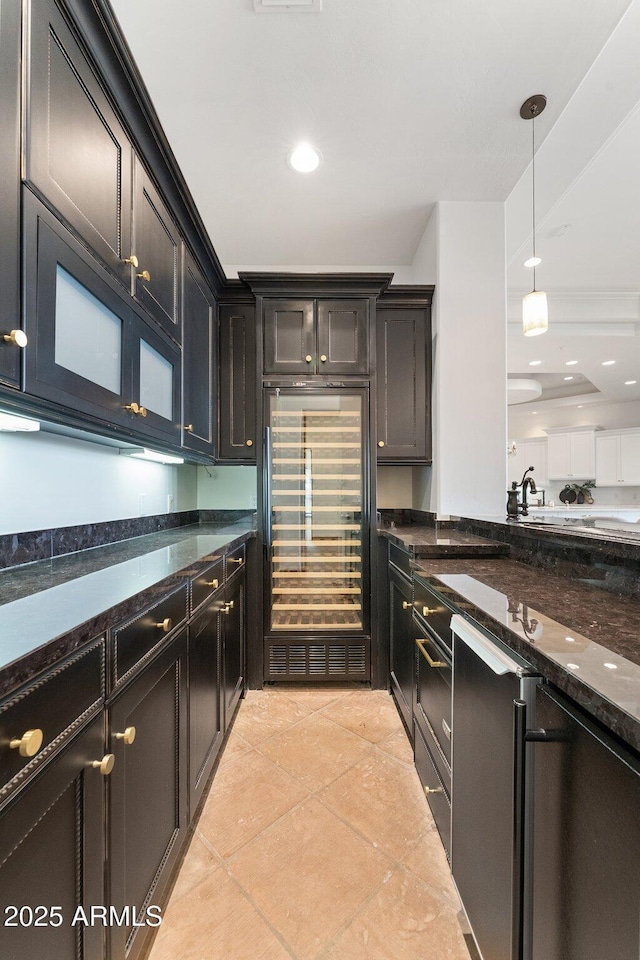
(535, 363)
(568, 378)
(304, 158)
(629, 383)
(533, 262)
(608, 363)
(570, 363)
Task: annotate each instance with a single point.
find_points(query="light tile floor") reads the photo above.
(315, 842)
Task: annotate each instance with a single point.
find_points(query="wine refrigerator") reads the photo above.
(316, 533)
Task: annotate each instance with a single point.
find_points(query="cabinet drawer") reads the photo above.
(50, 705)
(235, 560)
(400, 559)
(437, 797)
(429, 607)
(432, 710)
(210, 580)
(133, 640)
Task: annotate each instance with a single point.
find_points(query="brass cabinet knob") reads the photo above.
(212, 583)
(228, 606)
(308, 358)
(189, 427)
(17, 337)
(128, 735)
(323, 358)
(237, 560)
(105, 766)
(429, 790)
(406, 605)
(165, 625)
(144, 275)
(248, 443)
(133, 260)
(29, 743)
(427, 610)
(381, 443)
(137, 409)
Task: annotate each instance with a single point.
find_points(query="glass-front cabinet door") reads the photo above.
(317, 510)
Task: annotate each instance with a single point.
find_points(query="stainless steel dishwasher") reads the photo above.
(487, 775)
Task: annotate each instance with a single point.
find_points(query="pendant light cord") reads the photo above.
(533, 190)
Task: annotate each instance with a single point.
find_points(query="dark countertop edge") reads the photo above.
(25, 668)
(609, 714)
(438, 550)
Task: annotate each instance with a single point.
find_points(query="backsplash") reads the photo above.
(27, 547)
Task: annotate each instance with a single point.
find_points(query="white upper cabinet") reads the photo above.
(618, 458)
(531, 452)
(571, 455)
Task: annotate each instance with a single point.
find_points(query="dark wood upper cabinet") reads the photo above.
(237, 382)
(10, 352)
(403, 363)
(52, 852)
(289, 337)
(342, 332)
(198, 360)
(156, 247)
(78, 156)
(315, 337)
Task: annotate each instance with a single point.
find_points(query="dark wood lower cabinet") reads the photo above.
(147, 790)
(205, 708)
(233, 650)
(402, 648)
(52, 854)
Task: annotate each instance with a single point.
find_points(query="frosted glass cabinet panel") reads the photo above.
(88, 336)
(156, 382)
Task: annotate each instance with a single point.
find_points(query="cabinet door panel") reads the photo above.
(404, 419)
(289, 337)
(630, 458)
(607, 461)
(78, 155)
(343, 336)
(156, 244)
(156, 382)
(198, 360)
(52, 853)
(77, 320)
(205, 709)
(234, 644)
(10, 354)
(402, 647)
(148, 787)
(558, 456)
(237, 382)
(583, 455)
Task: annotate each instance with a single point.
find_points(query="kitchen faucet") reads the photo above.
(514, 508)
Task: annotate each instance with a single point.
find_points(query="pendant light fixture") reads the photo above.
(535, 317)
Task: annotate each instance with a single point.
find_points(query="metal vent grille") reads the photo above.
(318, 661)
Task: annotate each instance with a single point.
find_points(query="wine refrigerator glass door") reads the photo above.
(316, 500)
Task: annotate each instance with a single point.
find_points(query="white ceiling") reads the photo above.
(410, 102)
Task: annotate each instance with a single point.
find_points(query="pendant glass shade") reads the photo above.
(535, 317)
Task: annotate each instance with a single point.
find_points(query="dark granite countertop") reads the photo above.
(50, 608)
(426, 541)
(585, 640)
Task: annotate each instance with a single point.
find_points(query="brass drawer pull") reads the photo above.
(212, 583)
(29, 743)
(432, 663)
(165, 624)
(406, 605)
(128, 736)
(105, 766)
(189, 427)
(137, 409)
(17, 337)
(429, 790)
(235, 560)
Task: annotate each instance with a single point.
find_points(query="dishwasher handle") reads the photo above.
(488, 652)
